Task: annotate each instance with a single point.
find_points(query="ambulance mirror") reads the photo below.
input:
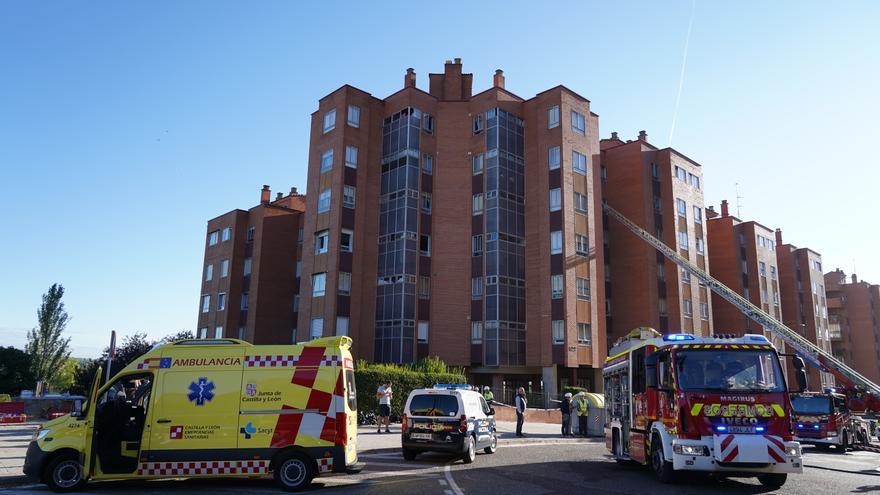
(77, 408)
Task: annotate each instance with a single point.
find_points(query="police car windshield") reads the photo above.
(811, 405)
(729, 370)
(434, 405)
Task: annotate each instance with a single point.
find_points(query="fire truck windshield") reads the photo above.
(806, 405)
(729, 370)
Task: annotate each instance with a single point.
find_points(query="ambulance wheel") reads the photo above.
(493, 445)
(662, 468)
(471, 453)
(773, 480)
(64, 473)
(294, 471)
(410, 454)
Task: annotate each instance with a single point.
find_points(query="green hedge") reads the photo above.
(572, 390)
(368, 378)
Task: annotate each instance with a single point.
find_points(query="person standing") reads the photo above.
(521, 405)
(488, 395)
(384, 394)
(565, 407)
(582, 407)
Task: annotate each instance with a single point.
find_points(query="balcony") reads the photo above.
(834, 331)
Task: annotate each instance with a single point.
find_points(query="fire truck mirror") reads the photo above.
(800, 373)
(798, 363)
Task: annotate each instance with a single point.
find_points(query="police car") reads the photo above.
(448, 418)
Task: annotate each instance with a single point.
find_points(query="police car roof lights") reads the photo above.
(453, 386)
(677, 337)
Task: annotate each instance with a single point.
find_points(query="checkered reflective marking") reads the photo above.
(270, 361)
(202, 468)
(331, 361)
(154, 363)
(325, 465)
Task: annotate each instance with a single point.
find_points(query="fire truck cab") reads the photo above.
(825, 419)
(683, 403)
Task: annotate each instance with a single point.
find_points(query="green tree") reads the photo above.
(65, 377)
(15, 371)
(46, 345)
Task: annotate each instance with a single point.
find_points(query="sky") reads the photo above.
(125, 126)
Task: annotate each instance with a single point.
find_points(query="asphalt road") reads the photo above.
(536, 468)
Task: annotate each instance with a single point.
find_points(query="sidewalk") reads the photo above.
(14, 439)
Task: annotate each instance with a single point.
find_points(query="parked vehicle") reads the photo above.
(448, 418)
(823, 420)
(210, 408)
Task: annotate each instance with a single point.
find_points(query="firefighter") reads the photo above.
(488, 395)
(582, 407)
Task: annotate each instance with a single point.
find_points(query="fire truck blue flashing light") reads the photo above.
(677, 337)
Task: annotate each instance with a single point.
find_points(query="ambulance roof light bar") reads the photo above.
(209, 342)
(453, 386)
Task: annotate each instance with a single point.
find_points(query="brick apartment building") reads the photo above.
(250, 275)
(427, 238)
(743, 257)
(854, 322)
(660, 190)
(804, 307)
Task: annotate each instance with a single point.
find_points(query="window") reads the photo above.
(578, 123)
(221, 301)
(558, 331)
(557, 283)
(776, 298)
(477, 163)
(428, 123)
(245, 301)
(704, 311)
(327, 161)
(424, 287)
(553, 117)
(428, 164)
(553, 157)
(224, 268)
(688, 308)
(316, 329)
(585, 334)
(250, 234)
(555, 199)
(583, 288)
(346, 240)
(299, 266)
(214, 238)
(296, 303)
(701, 246)
(698, 214)
(426, 202)
(476, 332)
(227, 234)
(556, 242)
(773, 272)
(681, 207)
(423, 332)
(477, 204)
(351, 156)
(203, 333)
(206, 303)
(580, 203)
(322, 241)
(218, 332)
(581, 245)
(329, 121)
(476, 288)
(817, 265)
(319, 281)
(344, 283)
(763, 295)
(425, 245)
(324, 201)
(209, 272)
(685, 276)
(477, 245)
(762, 268)
(248, 265)
(680, 173)
(341, 325)
(579, 162)
(655, 170)
(694, 180)
(683, 241)
(348, 196)
(478, 123)
(354, 116)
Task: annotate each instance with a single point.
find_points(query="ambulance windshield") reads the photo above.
(729, 370)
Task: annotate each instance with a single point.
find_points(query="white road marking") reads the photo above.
(447, 492)
(442, 482)
(455, 490)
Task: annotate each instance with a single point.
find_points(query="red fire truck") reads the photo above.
(684, 403)
(825, 419)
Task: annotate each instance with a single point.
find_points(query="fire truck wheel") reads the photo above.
(662, 468)
(471, 453)
(823, 446)
(64, 473)
(294, 471)
(844, 445)
(775, 480)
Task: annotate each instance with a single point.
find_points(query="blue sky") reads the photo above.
(124, 127)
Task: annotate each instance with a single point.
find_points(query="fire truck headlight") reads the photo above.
(832, 433)
(793, 450)
(815, 427)
(690, 449)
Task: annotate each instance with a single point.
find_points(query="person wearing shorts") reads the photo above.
(384, 394)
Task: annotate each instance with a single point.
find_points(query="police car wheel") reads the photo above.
(410, 454)
(65, 474)
(471, 453)
(493, 445)
(294, 472)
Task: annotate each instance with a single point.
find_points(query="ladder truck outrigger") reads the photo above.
(669, 408)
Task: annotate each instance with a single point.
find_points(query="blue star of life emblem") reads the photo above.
(201, 391)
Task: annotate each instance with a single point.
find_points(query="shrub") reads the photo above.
(404, 379)
(572, 390)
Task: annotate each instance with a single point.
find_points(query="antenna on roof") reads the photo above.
(738, 203)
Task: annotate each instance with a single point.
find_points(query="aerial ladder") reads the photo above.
(863, 395)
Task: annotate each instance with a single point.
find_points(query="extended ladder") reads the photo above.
(806, 349)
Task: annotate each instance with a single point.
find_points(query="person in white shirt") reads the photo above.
(384, 394)
(521, 405)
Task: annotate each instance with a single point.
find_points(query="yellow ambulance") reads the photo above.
(210, 408)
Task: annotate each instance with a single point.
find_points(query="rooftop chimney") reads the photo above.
(855, 279)
(614, 135)
(778, 237)
(293, 191)
(409, 80)
(265, 194)
(643, 136)
(724, 210)
(278, 196)
(498, 80)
